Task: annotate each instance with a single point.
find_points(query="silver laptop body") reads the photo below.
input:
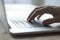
(20, 26)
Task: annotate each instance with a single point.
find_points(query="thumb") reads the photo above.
(48, 21)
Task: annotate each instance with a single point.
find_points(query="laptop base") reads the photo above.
(20, 26)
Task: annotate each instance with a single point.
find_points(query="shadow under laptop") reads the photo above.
(36, 35)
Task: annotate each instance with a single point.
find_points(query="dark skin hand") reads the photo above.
(39, 11)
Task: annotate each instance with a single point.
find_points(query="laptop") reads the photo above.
(18, 25)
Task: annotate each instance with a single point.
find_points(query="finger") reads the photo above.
(48, 21)
(32, 15)
(39, 16)
(51, 20)
(34, 11)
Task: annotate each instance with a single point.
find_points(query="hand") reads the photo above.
(39, 11)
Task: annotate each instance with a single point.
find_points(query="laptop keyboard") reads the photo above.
(21, 26)
(21, 23)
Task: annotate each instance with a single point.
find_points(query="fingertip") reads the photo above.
(38, 17)
(28, 20)
(44, 23)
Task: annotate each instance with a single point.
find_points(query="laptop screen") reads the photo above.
(3, 19)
